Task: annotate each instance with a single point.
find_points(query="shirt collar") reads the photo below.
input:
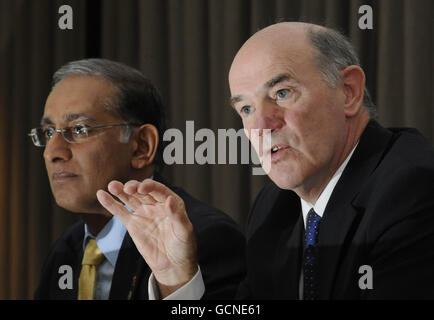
(324, 198)
(109, 239)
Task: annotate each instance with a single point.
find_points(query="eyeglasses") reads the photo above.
(75, 134)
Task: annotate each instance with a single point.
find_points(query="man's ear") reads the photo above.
(145, 144)
(353, 81)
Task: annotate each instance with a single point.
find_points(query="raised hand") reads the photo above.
(159, 227)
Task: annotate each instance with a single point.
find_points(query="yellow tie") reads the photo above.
(91, 259)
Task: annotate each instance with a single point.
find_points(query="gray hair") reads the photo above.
(136, 101)
(333, 53)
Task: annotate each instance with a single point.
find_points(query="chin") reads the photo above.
(70, 207)
(75, 204)
(283, 182)
(285, 179)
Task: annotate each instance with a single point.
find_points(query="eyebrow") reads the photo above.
(235, 99)
(269, 84)
(69, 118)
(45, 121)
(277, 79)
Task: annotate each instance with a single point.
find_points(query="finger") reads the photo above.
(114, 207)
(116, 188)
(131, 189)
(146, 199)
(158, 190)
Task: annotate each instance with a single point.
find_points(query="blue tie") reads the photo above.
(310, 256)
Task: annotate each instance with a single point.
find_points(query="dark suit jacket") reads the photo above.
(380, 214)
(220, 251)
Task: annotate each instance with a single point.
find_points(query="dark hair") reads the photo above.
(333, 53)
(137, 100)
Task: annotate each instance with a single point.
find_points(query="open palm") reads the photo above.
(159, 227)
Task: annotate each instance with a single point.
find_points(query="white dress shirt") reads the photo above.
(192, 290)
(195, 288)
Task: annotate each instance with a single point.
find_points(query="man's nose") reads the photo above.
(57, 149)
(267, 116)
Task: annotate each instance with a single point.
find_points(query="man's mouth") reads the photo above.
(277, 148)
(63, 175)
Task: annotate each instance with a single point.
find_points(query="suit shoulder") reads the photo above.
(406, 186)
(410, 148)
(64, 244)
(69, 238)
(401, 188)
(406, 170)
(60, 253)
(408, 163)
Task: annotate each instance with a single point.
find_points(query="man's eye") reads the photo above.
(48, 132)
(246, 110)
(282, 93)
(80, 130)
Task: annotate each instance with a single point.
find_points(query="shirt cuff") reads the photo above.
(192, 290)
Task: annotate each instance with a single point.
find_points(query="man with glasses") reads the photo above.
(103, 122)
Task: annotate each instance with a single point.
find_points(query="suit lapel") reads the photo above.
(78, 251)
(342, 216)
(336, 232)
(289, 249)
(71, 256)
(288, 264)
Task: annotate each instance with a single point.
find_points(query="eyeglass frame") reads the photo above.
(66, 129)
